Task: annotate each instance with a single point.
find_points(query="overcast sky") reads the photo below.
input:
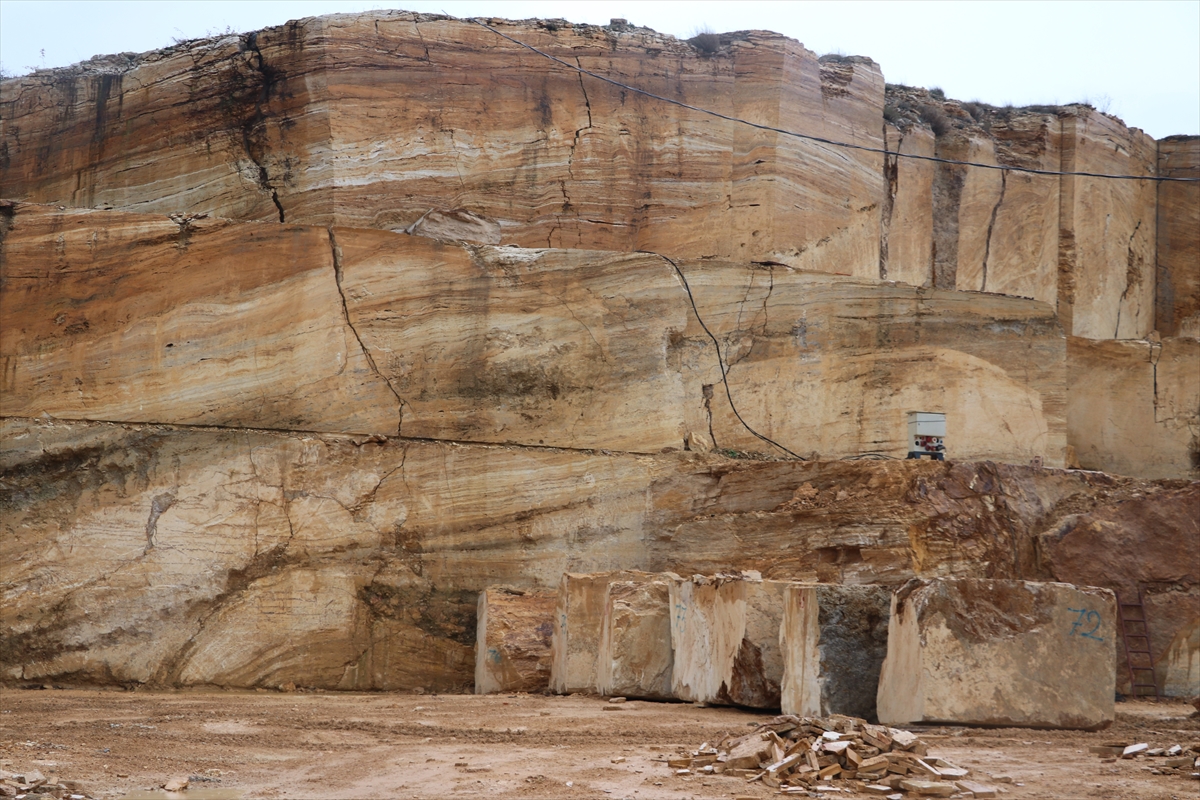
(1138, 60)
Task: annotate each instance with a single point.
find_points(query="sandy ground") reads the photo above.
(336, 745)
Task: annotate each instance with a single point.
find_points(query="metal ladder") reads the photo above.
(1132, 616)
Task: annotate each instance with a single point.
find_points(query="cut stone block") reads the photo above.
(635, 658)
(578, 615)
(834, 639)
(512, 640)
(1003, 653)
(725, 637)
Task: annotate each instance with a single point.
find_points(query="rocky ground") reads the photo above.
(319, 745)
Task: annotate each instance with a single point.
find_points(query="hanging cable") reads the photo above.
(720, 360)
(808, 137)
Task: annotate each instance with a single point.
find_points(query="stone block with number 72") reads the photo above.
(1000, 653)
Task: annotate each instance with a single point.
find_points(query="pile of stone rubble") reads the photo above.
(799, 755)
(1177, 759)
(33, 783)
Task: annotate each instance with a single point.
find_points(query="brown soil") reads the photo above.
(323, 745)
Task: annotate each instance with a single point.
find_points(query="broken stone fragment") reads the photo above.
(635, 657)
(995, 652)
(513, 640)
(834, 639)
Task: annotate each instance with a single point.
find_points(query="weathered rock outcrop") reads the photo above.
(1002, 653)
(170, 556)
(834, 639)
(1133, 406)
(377, 332)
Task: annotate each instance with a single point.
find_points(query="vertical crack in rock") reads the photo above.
(707, 391)
(891, 179)
(1133, 276)
(269, 78)
(947, 198)
(158, 505)
(987, 242)
(337, 276)
(586, 101)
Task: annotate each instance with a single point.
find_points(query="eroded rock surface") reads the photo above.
(1001, 653)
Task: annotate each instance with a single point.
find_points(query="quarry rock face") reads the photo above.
(634, 656)
(512, 645)
(366, 120)
(1000, 653)
(758, 667)
(1178, 275)
(834, 639)
(578, 619)
(310, 336)
(190, 531)
(377, 332)
(1132, 406)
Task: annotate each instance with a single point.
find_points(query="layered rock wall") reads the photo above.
(138, 318)
(170, 556)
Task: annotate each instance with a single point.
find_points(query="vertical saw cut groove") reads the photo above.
(337, 276)
(891, 179)
(720, 360)
(987, 243)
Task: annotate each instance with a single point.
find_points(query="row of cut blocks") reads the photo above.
(946, 650)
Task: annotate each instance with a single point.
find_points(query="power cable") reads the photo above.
(811, 138)
(720, 360)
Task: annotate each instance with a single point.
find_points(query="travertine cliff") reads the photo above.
(140, 318)
(310, 335)
(401, 121)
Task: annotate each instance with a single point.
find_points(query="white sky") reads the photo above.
(1138, 60)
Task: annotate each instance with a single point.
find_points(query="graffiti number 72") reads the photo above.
(1086, 618)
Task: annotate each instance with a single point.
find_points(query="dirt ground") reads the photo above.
(241, 745)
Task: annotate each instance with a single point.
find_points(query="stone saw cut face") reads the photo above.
(635, 657)
(1000, 653)
(512, 650)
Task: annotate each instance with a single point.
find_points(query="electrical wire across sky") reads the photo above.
(811, 138)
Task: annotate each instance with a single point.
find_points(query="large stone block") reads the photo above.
(512, 645)
(1004, 653)
(834, 639)
(725, 636)
(635, 657)
(578, 618)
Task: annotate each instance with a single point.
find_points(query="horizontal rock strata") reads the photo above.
(376, 332)
(834, 640)
(142, 554)
(401, 121)
(1002, 653)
